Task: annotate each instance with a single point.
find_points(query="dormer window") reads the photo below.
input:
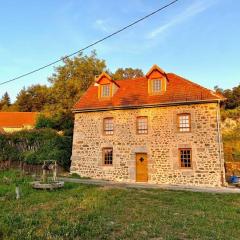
(105, 90)
(157, 81)
(156, 85)
(106, 86)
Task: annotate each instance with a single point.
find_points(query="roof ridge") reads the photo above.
(126, 79)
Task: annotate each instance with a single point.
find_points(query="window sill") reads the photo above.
(156, 93)
(107, 167)
(105, 98)
(184, 132)
(186, 169)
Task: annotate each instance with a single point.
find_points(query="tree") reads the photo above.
(217, 89)
(125, 73)
(72, 79)
(232, 96)
(236, 96)
(60, 121)
(33, 99)
(5, 102)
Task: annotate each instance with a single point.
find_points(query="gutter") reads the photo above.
(144, 106)
(221, 159)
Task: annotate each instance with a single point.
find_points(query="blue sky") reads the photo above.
(197, 39)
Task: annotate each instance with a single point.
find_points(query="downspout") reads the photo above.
(220, 145)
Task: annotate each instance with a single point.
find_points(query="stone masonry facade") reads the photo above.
(161, 144)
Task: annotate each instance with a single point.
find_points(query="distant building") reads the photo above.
(16, 121)
(160, 128)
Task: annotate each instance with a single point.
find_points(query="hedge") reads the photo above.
(35, 146)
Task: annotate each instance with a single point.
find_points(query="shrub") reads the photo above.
(44, 122)
(7, 151)
(231, 113)
(231, 141)
(35, 146)
(60, 121)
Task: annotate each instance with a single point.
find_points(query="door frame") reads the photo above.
(136, 166)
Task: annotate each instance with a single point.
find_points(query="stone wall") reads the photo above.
(161, 144)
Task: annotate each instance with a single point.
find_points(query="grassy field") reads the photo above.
(91, 212)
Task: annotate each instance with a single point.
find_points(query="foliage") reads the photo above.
(5, 102)
(33, 99)
(127, 73)
(7, 151)
(67, 84)
(60, 121)
(35, 146)
(232, 95)
(81, 211)
(231, 142)
(72, 79)
(57, 148)
(231, 150)
(230, 113)
(44, 121)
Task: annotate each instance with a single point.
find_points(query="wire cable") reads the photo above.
(92, 44)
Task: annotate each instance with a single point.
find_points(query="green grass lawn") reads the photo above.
(92, 212)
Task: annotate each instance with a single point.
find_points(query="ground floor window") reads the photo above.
(107, 156)
(185, 155)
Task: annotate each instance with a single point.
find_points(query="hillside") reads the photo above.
(231, 134)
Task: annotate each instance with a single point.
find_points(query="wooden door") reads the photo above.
(141, 167)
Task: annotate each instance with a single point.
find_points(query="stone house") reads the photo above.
(160, 128)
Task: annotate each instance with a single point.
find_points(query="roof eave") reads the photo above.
(145, 105)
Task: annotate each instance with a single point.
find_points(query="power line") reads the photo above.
(92, 44)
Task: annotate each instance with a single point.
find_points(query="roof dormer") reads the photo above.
(106, 86)
(157, 80)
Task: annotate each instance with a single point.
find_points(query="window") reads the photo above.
(108, 126)
(184, 124)
(107, 156)
(156, 85)
(185, 157)
(142, 125)
(105, 90)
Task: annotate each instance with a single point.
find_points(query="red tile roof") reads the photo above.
(134, 93)
(17, 119)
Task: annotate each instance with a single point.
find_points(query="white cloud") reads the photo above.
(103, 25)
(191, 11)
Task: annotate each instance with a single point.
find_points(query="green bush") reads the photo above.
(7, 150)
(60, 121)
(35, 146)
(44, 122)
